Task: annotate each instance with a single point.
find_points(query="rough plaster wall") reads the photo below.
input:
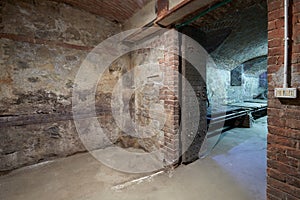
(156, 93)
(104, 98)
(149, 107)
(42, 46)
(36, 78)
(218, 81)
(220, 91)
(54, 21)
(124, 101)
(251, 87)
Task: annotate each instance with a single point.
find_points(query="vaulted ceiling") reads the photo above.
(227, 14)
(235, 32)
(114, 10)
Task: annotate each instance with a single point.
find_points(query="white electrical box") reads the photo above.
(286, 93)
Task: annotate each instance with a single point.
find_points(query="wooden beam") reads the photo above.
(143, 17)
(162, 7)
(173, 3)
(182, 10)
(165, 17)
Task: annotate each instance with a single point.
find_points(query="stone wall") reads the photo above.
(42, 46)
(220, 91)
(149, 113)
(218, 84)
(251, 87)
(283, 114)
(41, 55)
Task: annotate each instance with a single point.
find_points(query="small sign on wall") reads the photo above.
(290, 93)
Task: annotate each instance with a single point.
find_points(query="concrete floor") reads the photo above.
(235, 170)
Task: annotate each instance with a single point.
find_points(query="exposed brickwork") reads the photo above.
(165, 51)
(112, 10)
(171, 69)
(283, 121)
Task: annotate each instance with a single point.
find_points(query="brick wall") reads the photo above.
(283, 180)
(161, 80)
(163, 77)
(170, 96)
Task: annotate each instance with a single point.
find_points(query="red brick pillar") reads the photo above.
(283, 181)
(170, 93)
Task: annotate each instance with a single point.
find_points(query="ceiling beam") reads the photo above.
(148, 17)
(142, 18)
(182, 10)
(162, 7)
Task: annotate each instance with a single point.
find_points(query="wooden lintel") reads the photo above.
(162, 7)
(183, 9)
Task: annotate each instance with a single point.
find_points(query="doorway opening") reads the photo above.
(236, 85)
